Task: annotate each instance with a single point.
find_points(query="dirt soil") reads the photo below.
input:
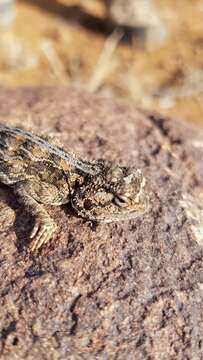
(67, 42)
(127, 290)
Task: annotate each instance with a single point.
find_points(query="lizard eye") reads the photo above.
(121, 201)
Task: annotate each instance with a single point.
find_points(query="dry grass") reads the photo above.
(107, 62)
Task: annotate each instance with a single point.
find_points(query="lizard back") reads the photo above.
(24, 152)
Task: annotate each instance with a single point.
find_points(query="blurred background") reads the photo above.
(144, 52)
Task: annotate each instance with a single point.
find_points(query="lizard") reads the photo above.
(41, 173)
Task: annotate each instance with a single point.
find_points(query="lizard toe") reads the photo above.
(42, 233)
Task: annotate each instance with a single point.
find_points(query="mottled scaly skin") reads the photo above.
(41, 173)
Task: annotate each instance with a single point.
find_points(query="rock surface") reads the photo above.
(129, 290)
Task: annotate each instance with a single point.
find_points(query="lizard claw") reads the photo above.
(42, 232)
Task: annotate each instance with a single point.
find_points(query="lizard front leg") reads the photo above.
(44, 227)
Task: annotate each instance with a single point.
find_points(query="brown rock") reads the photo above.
(129, 290)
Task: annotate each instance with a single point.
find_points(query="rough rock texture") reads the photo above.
(129, 290)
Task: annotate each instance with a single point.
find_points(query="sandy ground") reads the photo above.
(66, 42)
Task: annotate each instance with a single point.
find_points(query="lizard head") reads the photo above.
(117, 194)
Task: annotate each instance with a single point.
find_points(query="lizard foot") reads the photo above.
(42, 232)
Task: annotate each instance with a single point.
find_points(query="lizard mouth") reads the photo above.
(114, 212)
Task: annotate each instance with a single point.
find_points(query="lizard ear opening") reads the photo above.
(88, 204)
